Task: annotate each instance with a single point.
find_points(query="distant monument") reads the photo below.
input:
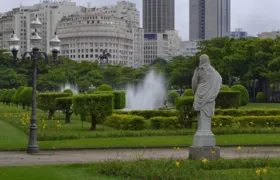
(164, 106)
(206, 85)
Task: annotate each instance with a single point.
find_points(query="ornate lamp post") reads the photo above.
(35, 41)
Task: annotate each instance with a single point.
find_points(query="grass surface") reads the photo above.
(76, 134)
(11, 137)
(162, 169)
(261, 105)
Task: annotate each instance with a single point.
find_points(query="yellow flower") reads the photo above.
(178, 148)
(239, 148)
(264, 170)
(204, 160)
(177, 163)
(214, 153)
(258, 172)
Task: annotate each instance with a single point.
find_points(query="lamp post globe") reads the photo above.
(14, 45)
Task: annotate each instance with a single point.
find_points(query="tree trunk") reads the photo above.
(67, 118)
(93, 123)
(23, 106)
(51, 114)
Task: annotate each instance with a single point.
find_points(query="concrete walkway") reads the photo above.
(90, 156)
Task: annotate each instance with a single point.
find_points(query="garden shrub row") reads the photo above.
(126, 122)
(131, 122)
(148, 114)
(119, 98)
(164, 123)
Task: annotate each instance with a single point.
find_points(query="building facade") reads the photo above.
(86, 34)
(209, 19)
(239, 33)
(173, 43)
(19, 19)
(270, 35)
(188, 48)
(155, 46)
(158, 15)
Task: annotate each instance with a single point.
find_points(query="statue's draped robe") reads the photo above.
(206, 85)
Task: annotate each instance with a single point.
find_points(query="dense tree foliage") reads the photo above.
(252, 62)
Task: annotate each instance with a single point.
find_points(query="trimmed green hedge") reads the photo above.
(46, 101)
(119, 98)
(147, 114)
(164, 123)
(184, 106)
(244, 95)
(126, 122)
(228, 99)
(95, 105)
(248, 112)
(260, 98)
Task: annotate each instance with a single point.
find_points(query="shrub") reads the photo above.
(188, 92)
(221, 121)
(248, 112)
(65, 105)
(16, 97)
(148, 114)
(119, 98)
(228, 99)
(9, 95)
(95, 105)
(260, 97)
(69, 91)
(3, 94)
(171, 97)
(46, 101)
(164, 123)
(225, 88)
(125, 122)
(26, 96)
(104, 87)
(258, 121)
(184, 105)
(244, 95)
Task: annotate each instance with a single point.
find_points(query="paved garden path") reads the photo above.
(89, 156)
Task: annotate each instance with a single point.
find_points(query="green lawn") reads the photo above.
(76, 135)
(262, 105)
(162, 169)
(13, 139)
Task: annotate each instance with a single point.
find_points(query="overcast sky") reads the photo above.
(254, 16)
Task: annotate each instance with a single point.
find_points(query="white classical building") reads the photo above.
(173, 43)
(155, 46)
(19, 19)
(86, 34)
(188, 48)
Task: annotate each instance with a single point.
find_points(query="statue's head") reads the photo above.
(204, 60)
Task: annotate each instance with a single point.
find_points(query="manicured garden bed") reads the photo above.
(165, 169)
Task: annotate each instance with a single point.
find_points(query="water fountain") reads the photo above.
(74, 88)
(148, 95)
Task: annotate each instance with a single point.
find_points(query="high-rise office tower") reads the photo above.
(209, 19)
(158, 15)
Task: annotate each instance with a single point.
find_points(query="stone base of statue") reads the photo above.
(204, 140)
(198, 153)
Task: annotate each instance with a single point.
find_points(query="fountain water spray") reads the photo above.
(74, 88)
(149, 95)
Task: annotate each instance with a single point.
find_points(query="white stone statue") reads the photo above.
(206, 85)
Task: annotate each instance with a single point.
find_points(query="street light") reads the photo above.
(35, 41)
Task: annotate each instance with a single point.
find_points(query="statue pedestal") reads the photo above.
(204, 141)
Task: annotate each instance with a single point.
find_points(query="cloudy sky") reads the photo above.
(254, 16)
